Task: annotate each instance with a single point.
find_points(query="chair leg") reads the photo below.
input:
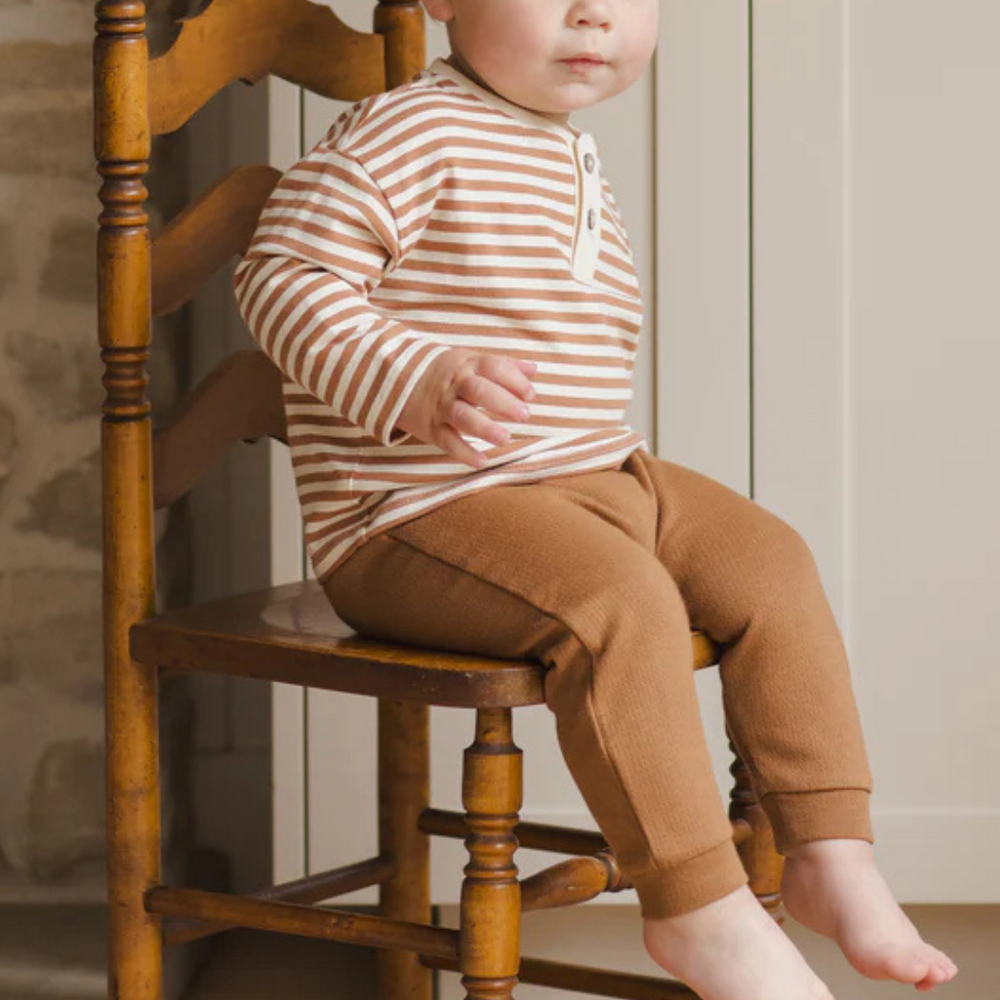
(135, 941)
(489, 946)
(764, 865)
(403, 793)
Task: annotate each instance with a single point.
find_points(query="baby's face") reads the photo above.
(520, 48)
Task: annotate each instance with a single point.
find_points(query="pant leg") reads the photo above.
(562, 571)
(751, 582)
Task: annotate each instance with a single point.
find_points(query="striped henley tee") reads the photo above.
(432, 216)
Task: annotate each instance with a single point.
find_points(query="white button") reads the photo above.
(591, 219)
(588, 163)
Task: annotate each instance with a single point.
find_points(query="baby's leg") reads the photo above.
(557, 573)
(751, 582)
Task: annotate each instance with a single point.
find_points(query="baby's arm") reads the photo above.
(323, 241)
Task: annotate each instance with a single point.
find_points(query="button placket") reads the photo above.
(589, 197)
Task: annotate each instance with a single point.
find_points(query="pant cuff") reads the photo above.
(690, 884)
(799, 817)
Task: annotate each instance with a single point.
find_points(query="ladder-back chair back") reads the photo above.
(290, 633)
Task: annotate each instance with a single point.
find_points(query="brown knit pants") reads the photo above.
(600, 577)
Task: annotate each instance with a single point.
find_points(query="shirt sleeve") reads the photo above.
(323, 241)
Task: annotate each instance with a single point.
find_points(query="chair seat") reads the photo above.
(292, 634)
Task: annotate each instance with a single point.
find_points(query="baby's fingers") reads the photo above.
(492, 388)
(502, 387)
(524, 386)
(452, 443)
(469, 419)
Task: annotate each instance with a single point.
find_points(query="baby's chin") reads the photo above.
(575, 95)
(567, 103)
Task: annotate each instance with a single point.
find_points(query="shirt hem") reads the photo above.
(613, 460)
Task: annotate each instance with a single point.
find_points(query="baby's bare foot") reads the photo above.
(834, 888)
(731, 949)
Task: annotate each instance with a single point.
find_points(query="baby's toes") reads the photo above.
(945, 962)
(948, 967)
(940, 960)
(935, 976)
(941, 970)
(911, 964)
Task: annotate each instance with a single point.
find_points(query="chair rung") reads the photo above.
(305, 921)
(311, 889)
(573, 881)
(585, 979)
(541, 836)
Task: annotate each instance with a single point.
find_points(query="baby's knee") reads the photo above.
(777, 558)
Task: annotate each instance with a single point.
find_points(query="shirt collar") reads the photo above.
(440, 68)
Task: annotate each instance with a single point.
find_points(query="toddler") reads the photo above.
(447, 286)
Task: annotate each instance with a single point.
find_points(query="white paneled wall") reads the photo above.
(876, 423)
(924, 431)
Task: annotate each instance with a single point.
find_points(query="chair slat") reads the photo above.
(239, 400)
(302, 42)
(207, 233)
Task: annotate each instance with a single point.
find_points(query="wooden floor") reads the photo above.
(252, 964)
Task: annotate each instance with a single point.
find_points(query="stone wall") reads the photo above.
(51, 673)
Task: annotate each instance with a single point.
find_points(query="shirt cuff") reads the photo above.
(380, 419)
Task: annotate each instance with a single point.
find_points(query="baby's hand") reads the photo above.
(444, 401)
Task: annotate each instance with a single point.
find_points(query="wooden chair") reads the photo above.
(290, 633)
